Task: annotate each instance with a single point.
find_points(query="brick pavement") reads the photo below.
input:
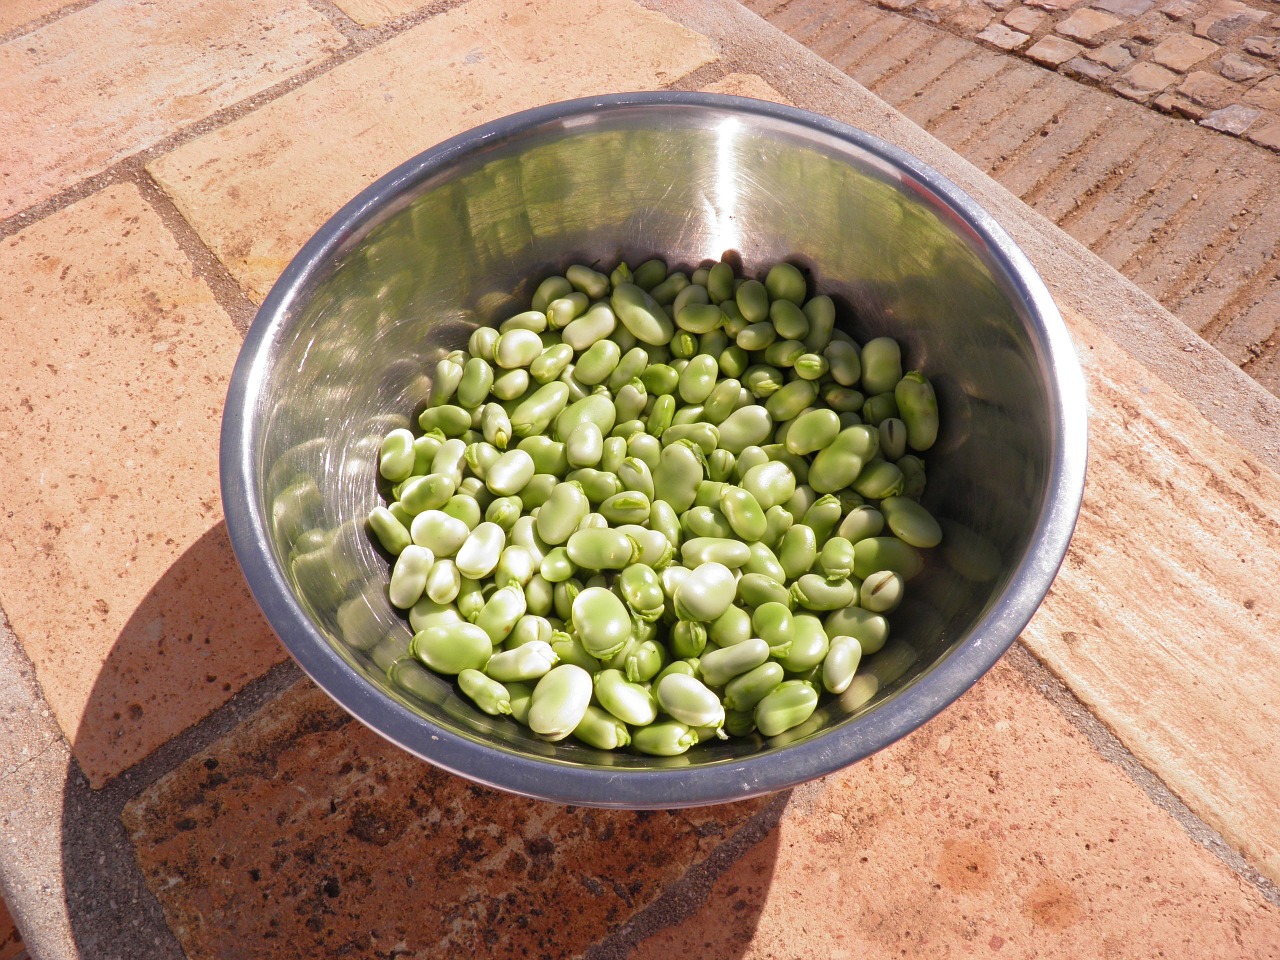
(1185, 211)
(147, 238)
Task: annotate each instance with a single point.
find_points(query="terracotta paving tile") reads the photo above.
(1160, 690)
(372, 13)
(19, 13)
(997, 831)
(303, 834)
(258, 188)
(159, 73)
(115, 571)
(11, 946)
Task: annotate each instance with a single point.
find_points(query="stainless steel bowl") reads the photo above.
(343, 347)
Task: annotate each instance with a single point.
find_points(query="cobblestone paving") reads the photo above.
(1186, 213)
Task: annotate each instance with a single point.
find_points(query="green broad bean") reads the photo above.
(537, 490)
(560, 700)
(500, 612)
(445, 382)
(679, 471)
(644, 661)
(481, 342)
(641, 589)
(528, 661)
(669, 288)
(815, 592)
(632, 365)
(744, 691)
(452, 648)
(586, 280)
(615, 452)
(756, 336)
(698, 378)
(606, 549)
(720, 666)
(881, 365)
(910, 522)
(535, 414)
(439, 532)
(840, 664)
(584, 446)
(597, 408)
(878, 408)
(539, 594)
(783, 353)
(812, 431)
(785, 282)
(549, 364)
(809, 645)
(690, 701)
(745, 427)
(425, 449)
(548, 455)
(552, 288)
(599, 729)
(645, 447)
(790, 400)
(743, 512)
(763, 560)
(427, 613)
(879, 479)
(918, 407)
(495, 425)
(516, 348)
(510, 473)
(636, 476)
(668, 738)
(838, 465)
(443, 581)
(660, 379)
(789, 320)
(843, 399)
(810, 366)
(390, 532)
(753, 301)
(721, 465)
(631, 401)
(731, 627)
(663, 519)
(661, 414)
(632, 703)
(409, 576)
(773, 623)
(777, 521)
(893, 438)
(771, 483)
(516, 566)
(694, 293)
(477, 381)
(530, 628)
(628, 506)
(590, 328)
(720, 282)
(479, 554)
(756, 589)
(598, 363)
(821, 313)
(913, 476)
(844, 361)
(870, 629)
(734, 361)
(707, 592)
(396, 456)
(881, 592)
(697, 551)
(836, 558)
(762, 381)
(722, 401)
(785, 707)
(703, 435)
(798, 550)
(562, 596)
(886, 553)
(512, 385)
(688, 638)
(699, 318)
(570, 650)
(486, 693)
(451, 420)
(705, 522)
(823, 516)
(739, 723)
(598, 485)
(520, 697)
(642, 314)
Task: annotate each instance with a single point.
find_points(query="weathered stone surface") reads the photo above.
(1114, 55)
(1228, 20)
(1083, 69)
(303, 834)
(1233, 119)
(1023, 19)
(1001, 36)
(1235, 67)
(158, 74)
(1173, 103)
(1087, 26)
(115, 570)
(256, 189)
(1052, 51)
(1181, 52)
(1209, 89)
(1143, 81)
(20, 13)
(1124, 8)
(1265, 94)
(1263, 47)
(1265, 134)
(1180, 9)
(373, 13)
(1029, 855)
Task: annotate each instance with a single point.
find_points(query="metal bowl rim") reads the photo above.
(694, 785)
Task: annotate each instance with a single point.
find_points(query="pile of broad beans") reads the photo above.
(656, 508)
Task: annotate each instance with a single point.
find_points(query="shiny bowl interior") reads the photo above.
(343, 348)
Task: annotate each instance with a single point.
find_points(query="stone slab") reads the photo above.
(259, 187)
(1024, 19)
(998, 35)
(994, 831)
(302, 834)
(1144, 80)
(1235, 119)
(1209, 89)
(115, 571)
(1265, 94)
(374, 13)
(1087, 26)
(1182, 52)
(71, 105)
(1052, 51)
(21, 13)
(1213, 749)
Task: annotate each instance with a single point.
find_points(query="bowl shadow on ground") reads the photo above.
(295, 831)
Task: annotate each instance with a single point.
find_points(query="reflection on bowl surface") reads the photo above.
(342, 350)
